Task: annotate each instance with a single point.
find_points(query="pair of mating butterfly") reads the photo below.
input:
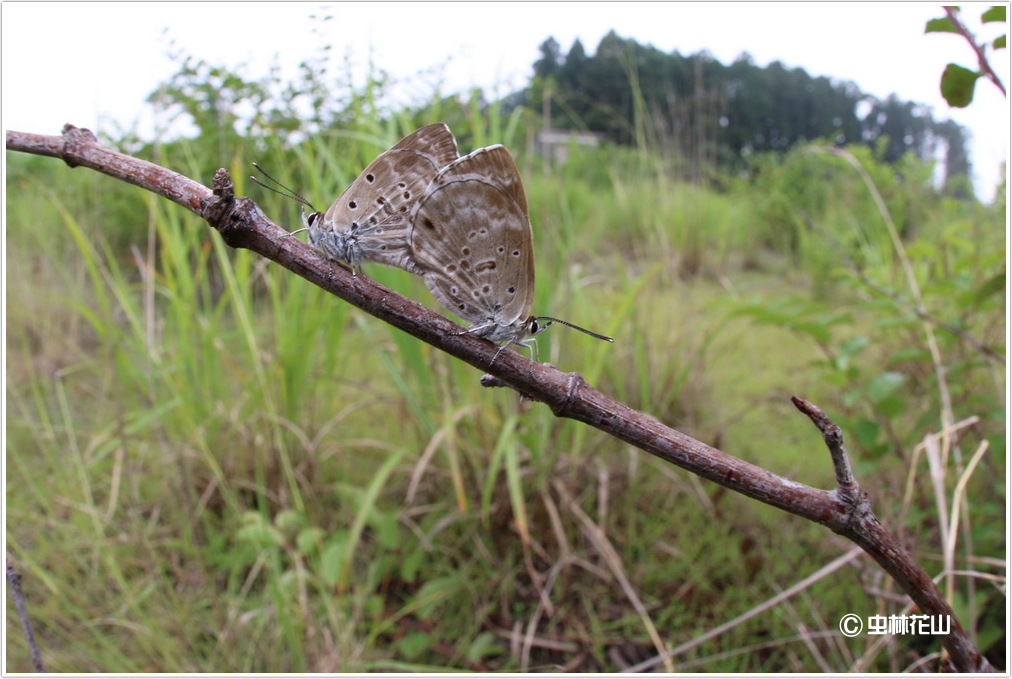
(459, 223)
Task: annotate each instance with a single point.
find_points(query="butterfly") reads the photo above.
(471, 236)
(369, 221)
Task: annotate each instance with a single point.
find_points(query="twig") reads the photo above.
(242, 225)
(14, 582)
(846, 484)
(985, 67)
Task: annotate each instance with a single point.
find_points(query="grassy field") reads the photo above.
(213, 466)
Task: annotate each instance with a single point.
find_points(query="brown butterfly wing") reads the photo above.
(369, 221)
(471, 234)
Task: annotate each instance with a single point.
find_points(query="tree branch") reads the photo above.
(985, 66)
(241, 224)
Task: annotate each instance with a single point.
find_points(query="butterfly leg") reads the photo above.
(475, 330)
(501, 349)
(531, 345)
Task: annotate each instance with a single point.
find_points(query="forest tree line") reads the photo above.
(716, 114)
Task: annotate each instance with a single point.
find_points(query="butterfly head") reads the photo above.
(333, 243)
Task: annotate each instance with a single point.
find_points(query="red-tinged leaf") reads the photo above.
(940, 25)
(995, 13)
(958, 84)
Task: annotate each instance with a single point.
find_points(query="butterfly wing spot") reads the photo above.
(465, 265)
(450, 268)
(466, 251)
(516, 253)
(370, 178)
(512, 289)
(487, 265)
(501, 249)
(352, 205)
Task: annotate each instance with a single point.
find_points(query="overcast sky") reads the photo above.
(95, 63)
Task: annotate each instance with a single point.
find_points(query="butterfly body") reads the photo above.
(369, 221)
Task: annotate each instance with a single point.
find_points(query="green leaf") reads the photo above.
(484, 645)
(410, 564)
(994, 13)
(412, 645)
(884, 385)
(999, 43)
(260, 536)
(434, 593)
(866, 432)
(308, 539)
(958, 84)
(373, 607)
(332, 559)
(913, 353)
(849, 350)
(989, 288)
(890, 408)
(289, 520)
(387, 527)
(941, 25)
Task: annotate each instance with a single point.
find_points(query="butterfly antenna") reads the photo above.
(575, 327)
(291, 194)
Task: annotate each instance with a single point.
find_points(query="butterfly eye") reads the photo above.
(533, 328)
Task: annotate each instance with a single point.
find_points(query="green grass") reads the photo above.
(214, 466)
